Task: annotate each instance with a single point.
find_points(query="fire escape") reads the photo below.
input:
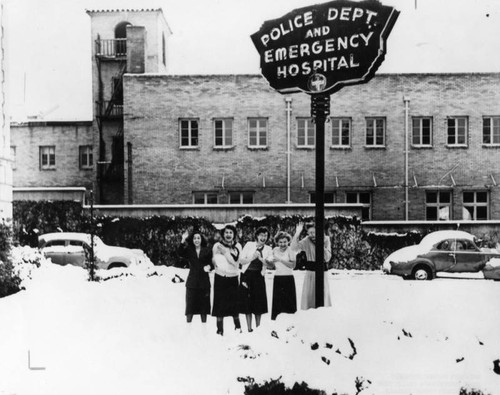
(111, 57)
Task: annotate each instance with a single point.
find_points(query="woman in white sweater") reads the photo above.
(284, 293)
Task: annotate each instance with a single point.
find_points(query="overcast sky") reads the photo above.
(50, 61)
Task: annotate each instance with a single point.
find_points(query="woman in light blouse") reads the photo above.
(253, 297)
(284, 293)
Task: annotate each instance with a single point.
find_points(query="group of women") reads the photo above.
(239, 275)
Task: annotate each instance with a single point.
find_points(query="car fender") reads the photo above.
(425, 262)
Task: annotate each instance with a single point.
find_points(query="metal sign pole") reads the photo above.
(320, 109)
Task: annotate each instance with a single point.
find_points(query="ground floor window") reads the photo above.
(475, 205)
(438, 205)
(329, 197)
(205, 198)
(86, 156)
(47, 157)
(363, 198)
(237, 197)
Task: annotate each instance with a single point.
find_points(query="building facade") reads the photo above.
(5, 152)
(403, 146)
(224, 139)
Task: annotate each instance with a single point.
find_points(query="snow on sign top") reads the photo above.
(324, 47)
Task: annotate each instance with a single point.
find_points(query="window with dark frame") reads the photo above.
(306, 133)
(422, 131)
(241, 197)
(475, 205)
(205, 197)
(223, 132)
(189, 133)
(86, 157)
(47, 157)
(457, 131)
(438, 205)
(363, 198)
(341, 132)
(491, 130)
(257, 132)
(375, 132)
(328, 196)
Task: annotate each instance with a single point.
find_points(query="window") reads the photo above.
(422, 131)
(457, 131)
(13, 157)
(257, 132)
(341, 132)
(438, 205)
(223, 132)
(363, 198)
(205, 198)
(329, 197)
(491, 130)
(375, 132)
(305, 132)
(475, 205)
(189, 133)
(240, 197)
(86, 156)
(47, 157)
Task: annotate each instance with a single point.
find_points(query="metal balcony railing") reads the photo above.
(113, 48)
(108, 109)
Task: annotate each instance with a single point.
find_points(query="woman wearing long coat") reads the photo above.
(194, 250)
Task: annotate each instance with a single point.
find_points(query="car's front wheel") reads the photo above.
(421, 273)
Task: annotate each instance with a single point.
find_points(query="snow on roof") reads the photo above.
(127, 10)
(435, 237)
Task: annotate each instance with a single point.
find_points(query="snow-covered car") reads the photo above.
(450, 251)
(71, 248)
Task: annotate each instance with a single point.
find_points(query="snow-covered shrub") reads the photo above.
(9, 281)
(25, 259)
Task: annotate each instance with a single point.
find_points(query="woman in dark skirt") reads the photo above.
(253, 298)
(284, 293)
(194, 249)
(226, 256)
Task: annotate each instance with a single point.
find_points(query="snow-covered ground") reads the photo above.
(127, 335)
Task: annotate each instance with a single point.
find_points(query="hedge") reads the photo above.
(9, 281)
(159, 236)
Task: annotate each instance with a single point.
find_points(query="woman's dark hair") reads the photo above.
(262, 230)
(232, 228)
(191, 236)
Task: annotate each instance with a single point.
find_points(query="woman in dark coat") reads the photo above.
(194, 249)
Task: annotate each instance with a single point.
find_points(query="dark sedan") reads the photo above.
(450, 251)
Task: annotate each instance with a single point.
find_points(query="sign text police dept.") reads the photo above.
(321, 48)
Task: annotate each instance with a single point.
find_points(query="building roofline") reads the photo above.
(115, 10)
(50, 123)
(152, 75)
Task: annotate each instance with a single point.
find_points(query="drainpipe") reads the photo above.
(288, 101)
(406, 101)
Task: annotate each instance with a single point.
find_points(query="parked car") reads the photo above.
(71, 248)
(450, 251)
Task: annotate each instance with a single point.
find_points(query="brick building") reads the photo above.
(223, 139)
(229, 139)
(5, 152)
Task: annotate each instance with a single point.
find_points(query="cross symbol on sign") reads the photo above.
(318, 82)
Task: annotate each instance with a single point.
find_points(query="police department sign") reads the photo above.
(322, 48)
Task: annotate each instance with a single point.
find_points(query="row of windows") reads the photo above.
(438, 204)
(341, 132)
(47, 157)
